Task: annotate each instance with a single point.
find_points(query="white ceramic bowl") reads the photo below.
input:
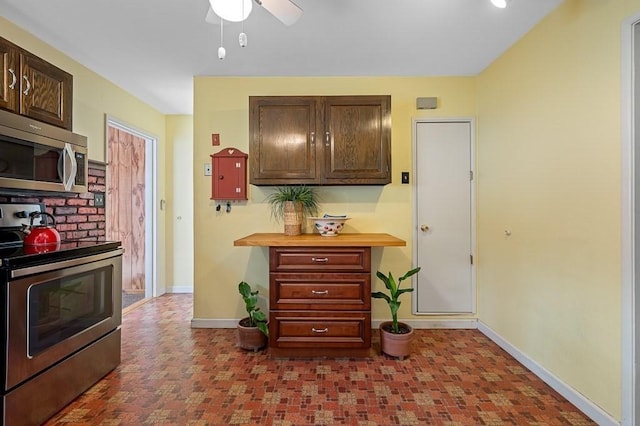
(329, 226)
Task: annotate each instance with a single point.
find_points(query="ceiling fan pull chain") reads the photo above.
(242, 38)
(221, 51)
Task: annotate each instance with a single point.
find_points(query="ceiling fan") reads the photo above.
(286, 11)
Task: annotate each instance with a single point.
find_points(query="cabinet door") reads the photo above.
(46, 91)
(9, 84)
(283, 140)
(357, 140)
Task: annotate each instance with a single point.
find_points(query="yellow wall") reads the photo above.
(93, 99)
(549, 171)
(180, 203)
(221, 106)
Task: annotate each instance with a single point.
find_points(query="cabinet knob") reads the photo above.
(319, 330)
(327, 138)
(220, 177)
(424, 228)
(313, 138)
(320, 259)
(320, 292)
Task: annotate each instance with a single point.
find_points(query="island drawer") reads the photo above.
(336, 291)
(302, 329)
(307, 259)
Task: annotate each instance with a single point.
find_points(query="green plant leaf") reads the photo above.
(404, 290)
(244, 289)
(380, 295)
(409, 274)
(262, 326)
(259, 316)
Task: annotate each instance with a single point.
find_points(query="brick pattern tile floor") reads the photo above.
(172, 374)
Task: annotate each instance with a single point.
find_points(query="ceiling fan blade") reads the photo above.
(285, 10)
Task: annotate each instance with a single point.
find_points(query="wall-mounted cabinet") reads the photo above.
(33, 87)
(313, 140)
(229, 177)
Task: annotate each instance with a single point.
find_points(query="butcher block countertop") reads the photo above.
(316, 240)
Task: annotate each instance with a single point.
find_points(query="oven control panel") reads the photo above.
(16, 215)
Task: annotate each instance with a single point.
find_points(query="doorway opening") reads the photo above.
(130, 213)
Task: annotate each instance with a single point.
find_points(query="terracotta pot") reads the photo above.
(292, 218)
(250, 338)
(398, 345)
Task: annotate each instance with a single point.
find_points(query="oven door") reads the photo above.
(59, 308)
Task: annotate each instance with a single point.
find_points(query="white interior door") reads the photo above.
(444, 232)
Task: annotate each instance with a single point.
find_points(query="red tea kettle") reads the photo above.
(42, 235)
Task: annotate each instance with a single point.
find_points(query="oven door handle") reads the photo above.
(23, 272)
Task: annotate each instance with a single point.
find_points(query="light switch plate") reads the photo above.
(98, 199)
(405, 177)
(207, 169)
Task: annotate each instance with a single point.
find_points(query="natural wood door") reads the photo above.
(283, 140)
(444, 217)
(125, 207)
(357, 140)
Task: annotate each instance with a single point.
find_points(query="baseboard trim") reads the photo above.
(585, 405)
(467, 323)
(180, 289)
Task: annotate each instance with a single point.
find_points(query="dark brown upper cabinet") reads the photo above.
(33, 87)
(313, 140)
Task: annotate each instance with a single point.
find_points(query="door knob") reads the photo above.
(424, 228)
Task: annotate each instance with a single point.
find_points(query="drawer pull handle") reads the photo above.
(320, 292)
(320, 259)
(320, 330)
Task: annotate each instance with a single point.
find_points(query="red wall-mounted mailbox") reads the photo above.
(229, 177)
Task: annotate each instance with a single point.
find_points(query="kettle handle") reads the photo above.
(46, 215)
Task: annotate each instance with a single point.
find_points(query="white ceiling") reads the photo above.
(153, 48)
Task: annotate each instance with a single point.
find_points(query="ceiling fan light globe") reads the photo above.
(221, 53)
(232, 10)
(500, 3)
(242, 39)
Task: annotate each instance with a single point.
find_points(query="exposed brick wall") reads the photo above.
(77, 217)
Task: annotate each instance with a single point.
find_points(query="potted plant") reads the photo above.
(252, 330)
(395, 337)
(291, 203)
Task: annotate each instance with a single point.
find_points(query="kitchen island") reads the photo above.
(320, 292)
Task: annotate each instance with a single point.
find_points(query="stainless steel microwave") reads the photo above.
(36, 156)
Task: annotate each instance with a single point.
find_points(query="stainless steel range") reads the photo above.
(61, 312)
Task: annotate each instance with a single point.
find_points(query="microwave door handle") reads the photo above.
(71, 178)
(61, 167)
